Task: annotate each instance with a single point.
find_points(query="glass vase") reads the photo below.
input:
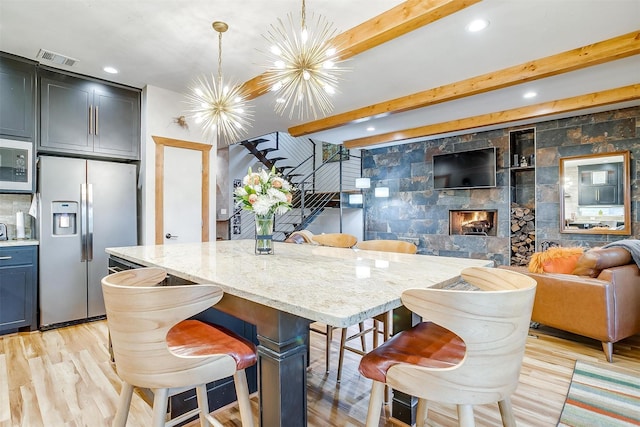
(264, 234)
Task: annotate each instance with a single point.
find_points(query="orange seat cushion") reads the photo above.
(426, 344)
(193, 338)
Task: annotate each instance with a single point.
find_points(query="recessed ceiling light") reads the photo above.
(370, 129)
(110, 70)
(477, 25)
(530, 94)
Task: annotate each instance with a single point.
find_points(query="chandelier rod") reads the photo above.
(220, 27)
(220, 58)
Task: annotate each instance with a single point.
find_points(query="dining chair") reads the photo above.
(300, 236)
(156, 348)
(467, 351)
(384, 319)
(336, 240)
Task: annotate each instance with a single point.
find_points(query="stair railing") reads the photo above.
(317, 190)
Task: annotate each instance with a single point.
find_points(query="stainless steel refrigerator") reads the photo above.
(85, 207)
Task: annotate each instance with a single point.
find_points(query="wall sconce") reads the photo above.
(355, 199)
(381, 192)
(363, 183)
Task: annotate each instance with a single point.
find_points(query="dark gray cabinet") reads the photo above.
(17, 98)
(18, 288)
(600, 184)
(87, 117)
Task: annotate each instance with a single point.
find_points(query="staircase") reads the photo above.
(318, 188)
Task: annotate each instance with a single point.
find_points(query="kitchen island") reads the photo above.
(283, 293)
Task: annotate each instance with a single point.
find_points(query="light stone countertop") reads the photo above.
(336, 286)
(21, 242)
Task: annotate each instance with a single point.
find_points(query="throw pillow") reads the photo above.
(555, 260)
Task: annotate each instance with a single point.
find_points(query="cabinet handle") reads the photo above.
(95, 132)
(2, 258)
(90, 119)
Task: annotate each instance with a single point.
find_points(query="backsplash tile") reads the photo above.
(10, 204)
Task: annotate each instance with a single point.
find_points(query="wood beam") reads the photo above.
(405, 17)
(598, 53)
(596, 99)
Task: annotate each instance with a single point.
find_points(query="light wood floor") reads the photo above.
(63, 377)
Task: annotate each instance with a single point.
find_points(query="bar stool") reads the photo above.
(156, 348)
(335, 240)
(467, 351)
(384, 319)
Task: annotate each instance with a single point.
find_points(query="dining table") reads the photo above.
(283, 293)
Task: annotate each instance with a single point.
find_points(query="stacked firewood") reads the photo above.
(523, 234)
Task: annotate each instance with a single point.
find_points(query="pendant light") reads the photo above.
(220, 108)
(303, 65)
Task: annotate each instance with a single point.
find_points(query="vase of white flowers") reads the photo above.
(266, 194)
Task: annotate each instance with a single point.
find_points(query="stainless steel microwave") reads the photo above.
(16, 165)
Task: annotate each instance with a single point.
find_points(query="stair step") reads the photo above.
(275, 159)
(257, 141)
(268, 150)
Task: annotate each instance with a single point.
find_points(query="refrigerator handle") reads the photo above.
(83, 222)
(89, 222)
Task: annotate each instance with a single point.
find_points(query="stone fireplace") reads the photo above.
(479, 222)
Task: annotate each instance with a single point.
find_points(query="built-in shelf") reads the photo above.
(522, 168)
(522, 150)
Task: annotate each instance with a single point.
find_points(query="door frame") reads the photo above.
(205, 149)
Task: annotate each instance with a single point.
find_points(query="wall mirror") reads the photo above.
(595, 196)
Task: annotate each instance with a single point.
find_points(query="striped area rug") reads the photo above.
(602, 396)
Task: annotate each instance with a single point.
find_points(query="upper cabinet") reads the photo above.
(87, 117)
(17, 98)
(600, 184)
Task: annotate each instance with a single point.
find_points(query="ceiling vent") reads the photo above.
(56, 58)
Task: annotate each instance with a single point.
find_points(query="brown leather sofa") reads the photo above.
(599, 300)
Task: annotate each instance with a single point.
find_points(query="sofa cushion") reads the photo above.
(593, 261)
(555, 260)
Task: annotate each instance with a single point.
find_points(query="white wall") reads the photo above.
(160, 108)
(329, 222)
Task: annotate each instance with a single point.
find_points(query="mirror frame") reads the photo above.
(626, 192)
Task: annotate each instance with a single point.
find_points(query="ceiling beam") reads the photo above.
(596, 99)
(598, 53)
(393, 23)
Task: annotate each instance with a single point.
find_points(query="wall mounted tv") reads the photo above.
(465, 169)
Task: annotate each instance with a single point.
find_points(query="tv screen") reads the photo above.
(465, 169)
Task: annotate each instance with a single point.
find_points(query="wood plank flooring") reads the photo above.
(63, 378)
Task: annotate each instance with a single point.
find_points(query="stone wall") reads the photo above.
(415, 211)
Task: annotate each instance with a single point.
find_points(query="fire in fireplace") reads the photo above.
(473, 222)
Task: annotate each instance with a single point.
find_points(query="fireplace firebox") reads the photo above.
(480, 222)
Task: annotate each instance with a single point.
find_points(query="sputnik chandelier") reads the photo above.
(302, 68)
(218, 107)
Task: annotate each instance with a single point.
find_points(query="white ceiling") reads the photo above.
(168, 43)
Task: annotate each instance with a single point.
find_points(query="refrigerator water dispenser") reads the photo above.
(64, 218)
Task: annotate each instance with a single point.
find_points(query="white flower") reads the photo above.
(264, 193)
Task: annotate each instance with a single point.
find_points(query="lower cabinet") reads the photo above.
(18, 288)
